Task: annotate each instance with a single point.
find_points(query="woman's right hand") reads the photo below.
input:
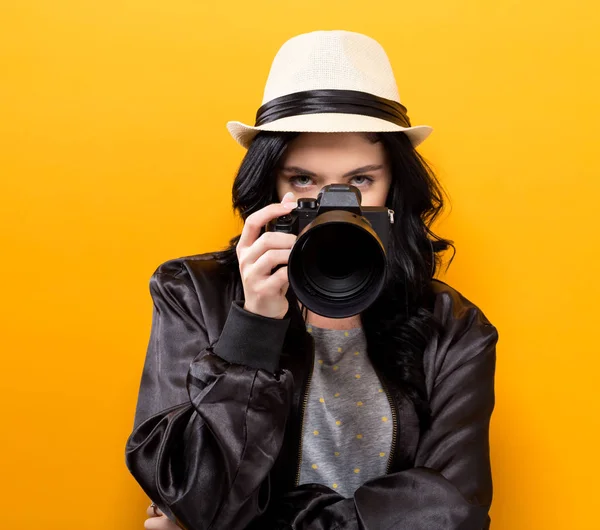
(258, 255)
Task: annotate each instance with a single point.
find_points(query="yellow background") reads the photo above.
(114, 157)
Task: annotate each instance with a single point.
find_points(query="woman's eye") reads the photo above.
(362, 179)
(301, 180)
(304, 181)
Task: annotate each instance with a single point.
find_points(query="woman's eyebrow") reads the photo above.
(357, 171)
(364, 169)
(296, 169)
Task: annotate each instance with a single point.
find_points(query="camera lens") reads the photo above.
(334, 261)
(337, 266)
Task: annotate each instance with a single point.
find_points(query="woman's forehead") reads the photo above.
(339, 152)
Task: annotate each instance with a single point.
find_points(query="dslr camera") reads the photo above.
(338, 265)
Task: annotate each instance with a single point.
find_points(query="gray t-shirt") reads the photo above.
(347, 430)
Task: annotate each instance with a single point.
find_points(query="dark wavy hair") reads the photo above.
(399, 325)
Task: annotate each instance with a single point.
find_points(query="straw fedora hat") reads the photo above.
(330, 81)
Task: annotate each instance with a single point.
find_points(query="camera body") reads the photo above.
(335, 197)
(338, 264)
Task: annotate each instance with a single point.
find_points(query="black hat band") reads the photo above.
(332, 101)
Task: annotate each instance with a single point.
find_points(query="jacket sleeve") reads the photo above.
(450, 485)
(210, 419)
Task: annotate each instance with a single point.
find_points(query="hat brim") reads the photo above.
(330, 122)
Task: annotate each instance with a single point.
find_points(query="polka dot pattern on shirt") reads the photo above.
(347, 432)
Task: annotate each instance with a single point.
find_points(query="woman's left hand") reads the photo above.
(158, 520)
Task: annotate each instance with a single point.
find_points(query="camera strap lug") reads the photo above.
(391, 216)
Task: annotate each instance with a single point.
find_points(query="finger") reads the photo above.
(277, 281)
(150, 511)
(288, 197)
(256, 221)
(268, 261)
(267, 241)
(284, 287)
(160, 523)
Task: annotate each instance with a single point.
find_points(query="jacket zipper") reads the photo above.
(303, 409)
(394, 427)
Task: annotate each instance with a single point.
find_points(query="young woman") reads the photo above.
(256, 413)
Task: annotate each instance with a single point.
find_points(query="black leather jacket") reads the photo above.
(218, 422)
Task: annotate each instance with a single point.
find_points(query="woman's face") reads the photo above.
(313, 160)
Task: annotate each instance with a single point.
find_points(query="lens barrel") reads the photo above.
(337, 266)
